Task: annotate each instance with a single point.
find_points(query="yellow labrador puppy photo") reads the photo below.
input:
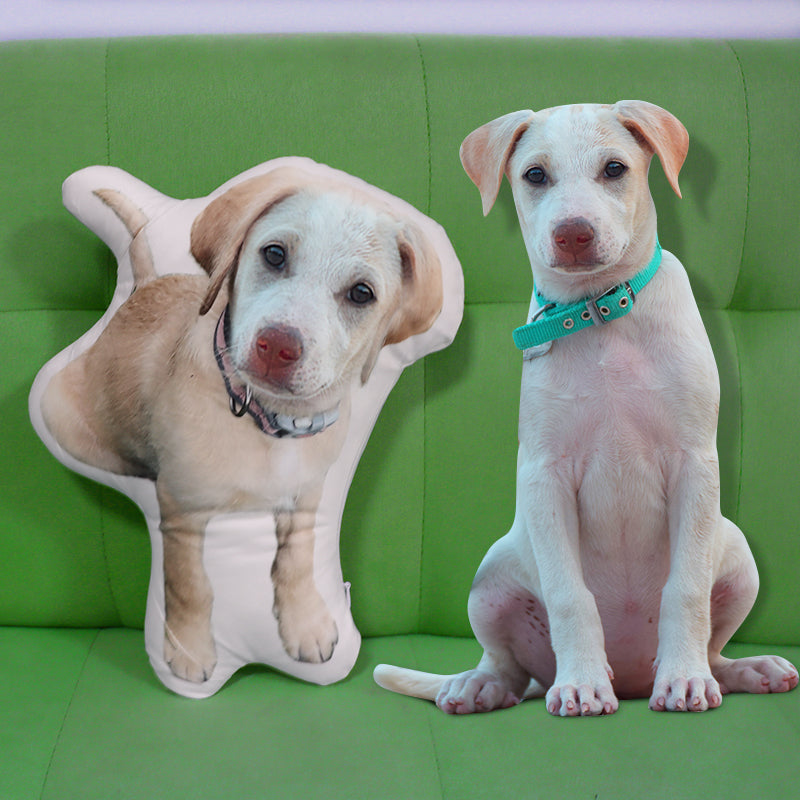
(619, 578)
(231, 390)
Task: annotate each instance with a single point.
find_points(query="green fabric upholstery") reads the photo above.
(82, 716)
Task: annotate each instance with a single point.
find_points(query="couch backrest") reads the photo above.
(436, 484)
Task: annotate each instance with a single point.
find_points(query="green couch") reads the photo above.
(82, 715)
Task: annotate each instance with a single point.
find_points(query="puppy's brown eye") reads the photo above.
(360, 294)
(614, 169)
(274, 255)
(536, 175)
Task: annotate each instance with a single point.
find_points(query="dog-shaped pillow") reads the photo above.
(230, 389)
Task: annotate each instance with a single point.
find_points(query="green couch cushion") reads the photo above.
(52, 546)
(768, 502)
(767, 279)
(39, 673)
(184, 114)
(105, 728)
(53, 118)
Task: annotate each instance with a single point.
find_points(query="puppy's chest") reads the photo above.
(604, 420)
(614, 394)
(276, 469)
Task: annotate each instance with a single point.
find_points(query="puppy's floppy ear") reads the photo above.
(219, 230)
(485, 152)
(421, 292)
(659, 130)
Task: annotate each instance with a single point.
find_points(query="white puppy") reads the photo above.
(620, 578)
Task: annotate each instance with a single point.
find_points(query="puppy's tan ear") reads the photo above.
(421, 293)
(659, 130)
(485, 153)
(219, 230)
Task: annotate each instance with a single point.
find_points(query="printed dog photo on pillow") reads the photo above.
(230, 389)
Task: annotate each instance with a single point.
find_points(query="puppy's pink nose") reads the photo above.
(574, 236)
(278, 350)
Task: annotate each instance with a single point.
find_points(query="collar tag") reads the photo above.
(537, 351)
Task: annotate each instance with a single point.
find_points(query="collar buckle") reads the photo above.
(597, 313)
(601, 313)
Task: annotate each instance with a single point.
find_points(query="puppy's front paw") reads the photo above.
(191, 654)
(307, 630)
(697, 693)
(584, 698)
(476, 691)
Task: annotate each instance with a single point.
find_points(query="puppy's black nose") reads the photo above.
(278, 349)
(574, 235)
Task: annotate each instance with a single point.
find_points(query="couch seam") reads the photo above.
(428, 713)
(424, 489)
(67, 713)
(103, 491)
(425, 361)
(426, 99)
(740, 391)
(106, 101)
(107, 115)
(734, 293)
(745, 97)
(106, 561)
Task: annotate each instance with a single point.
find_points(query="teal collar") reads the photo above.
(554, 320)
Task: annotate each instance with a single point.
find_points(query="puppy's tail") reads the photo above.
(134, 220)
(411, 682)
(426, 685)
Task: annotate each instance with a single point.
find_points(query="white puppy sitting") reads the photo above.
(620, 577)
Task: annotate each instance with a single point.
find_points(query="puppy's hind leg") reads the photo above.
(732, 597)
(511, 625)
(71, 413)
(510, 622)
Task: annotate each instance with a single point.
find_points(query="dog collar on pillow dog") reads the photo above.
(242, 401)
(554, 320)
